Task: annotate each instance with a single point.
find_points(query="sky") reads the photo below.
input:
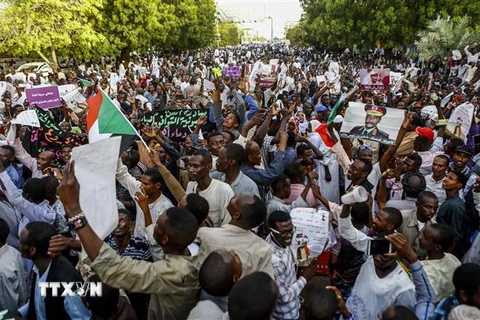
(283, 12)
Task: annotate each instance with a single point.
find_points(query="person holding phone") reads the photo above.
(381, 281)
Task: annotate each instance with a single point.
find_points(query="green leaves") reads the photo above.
(230, 34)
(366, 23)
(444, 35)
(36, 25)
(91, 28)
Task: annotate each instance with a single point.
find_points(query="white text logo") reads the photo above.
(68, 289)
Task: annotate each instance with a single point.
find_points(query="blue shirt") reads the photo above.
(15, 174)
(73, 304)
(444, 307)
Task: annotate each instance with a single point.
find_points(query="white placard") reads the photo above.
(208, 85)
(460, 121)
(27, 118)
(384, 131)
(95, 168)
(312, 229)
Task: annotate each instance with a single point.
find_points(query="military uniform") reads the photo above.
(375, 133)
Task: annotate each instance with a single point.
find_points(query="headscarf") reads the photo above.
(302, 126)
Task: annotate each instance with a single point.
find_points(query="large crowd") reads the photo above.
(205, 223)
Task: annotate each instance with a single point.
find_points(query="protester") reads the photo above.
(233, 135)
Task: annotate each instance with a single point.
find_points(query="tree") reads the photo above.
(366, 23)
(136, 25)
(297, 35)
(31, 27)
(195, 24)
(444, 35)
(230, 34)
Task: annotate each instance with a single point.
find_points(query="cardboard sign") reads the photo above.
(44, 97)
(175, 124)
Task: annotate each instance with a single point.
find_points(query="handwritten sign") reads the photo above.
(44, 97)
(312, 229)
(49, 137)
(176, 124)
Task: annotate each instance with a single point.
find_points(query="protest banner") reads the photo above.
(48, 137)
(460, 120)
(175, 124)
(375, 79)
(44, 97)
(312, 230)
(233, 72)
(370, 122)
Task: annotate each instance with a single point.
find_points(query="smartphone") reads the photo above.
(379, 246)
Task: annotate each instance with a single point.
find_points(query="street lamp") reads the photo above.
(271, 28)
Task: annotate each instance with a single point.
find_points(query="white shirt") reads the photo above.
(436, 187)
(371, 295)
(157, 208)
(218, 194)
(427, 162)
(440, 274)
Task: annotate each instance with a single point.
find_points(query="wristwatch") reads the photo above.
(78, 221)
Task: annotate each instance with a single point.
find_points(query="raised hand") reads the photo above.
(69, 190)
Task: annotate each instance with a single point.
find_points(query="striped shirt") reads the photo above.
(289, 287)
(137, 248)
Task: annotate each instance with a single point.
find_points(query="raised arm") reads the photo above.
(173, 185)
(126, 179)
(425, 304)
(117, 271)
(29, 209)
(217, 106)
(358, 239)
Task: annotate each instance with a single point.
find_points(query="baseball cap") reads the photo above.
(427, 132)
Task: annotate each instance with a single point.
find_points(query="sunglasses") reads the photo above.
(284, 233)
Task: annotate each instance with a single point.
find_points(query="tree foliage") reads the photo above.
(136, 25)
(195, 26)
(41, 26)
(444, 35)
(230, 34)
(297, 35)
(90, 28)
(366, 23)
